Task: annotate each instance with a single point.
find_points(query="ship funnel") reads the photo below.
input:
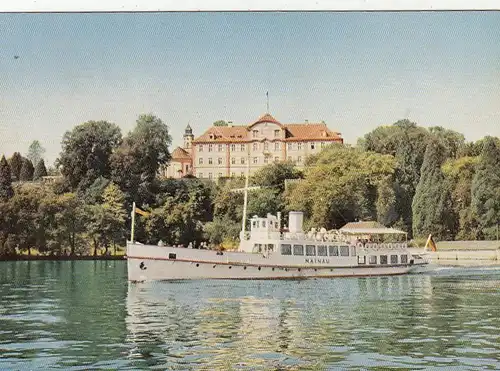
(295, 220)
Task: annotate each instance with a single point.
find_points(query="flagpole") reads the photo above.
(133, 223)
(245, 201)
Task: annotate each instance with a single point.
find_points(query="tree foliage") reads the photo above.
(485, 203)
(40, 170)
(432, 202)
(16, 162)
(27, 171)
(6, 191)
(35, 152)
(86, 152)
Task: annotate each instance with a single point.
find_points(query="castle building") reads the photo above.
(225, 151)
(181, 163)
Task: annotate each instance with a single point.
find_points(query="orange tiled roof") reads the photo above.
(294, 132)
(180, 154)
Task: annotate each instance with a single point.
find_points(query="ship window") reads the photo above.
(344, 250)
(263, 224)
(298, 249)
(310, 250)
(286, 249)
(322, 251)
(383, 259)
(254, 224)
(361, 259)
(372, 259)
(172, 256)
(333, 250)
(353, 250)
(394, 259)
(404, 259)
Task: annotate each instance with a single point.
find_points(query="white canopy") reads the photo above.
(371, 231)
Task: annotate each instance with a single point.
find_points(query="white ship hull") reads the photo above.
(150, 263)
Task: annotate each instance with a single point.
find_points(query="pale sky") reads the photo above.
(354, 70)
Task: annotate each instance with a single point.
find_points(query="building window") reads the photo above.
(209, 175)
(255, 133)
(219, 160)
(242, 174)
(200, 175)
(221, 148)
(353, 250)
(255, 146)
(286, 250)
(255, 160)
(310, 250)
(277, 146)
(290, 158)
(299, 159)
(344, 250)
(290, 146)
(322, 144)
(233, 147)
(276, 133)
(220, 175)
(200, 160)
(200, 148)
(333, 250)
(394, 259)
(243, 160)
(299, 146)
(322, 251)
(276, 159)
(266, 160)
(233, 160)
(372, 259)
(210, 148)
(266, 146)
(233, 175)
(312, 146)
(383, 259)
(298, 249)
(187, 168)
(210, 160)
(242, 148)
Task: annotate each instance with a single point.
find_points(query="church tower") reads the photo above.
(188, 138)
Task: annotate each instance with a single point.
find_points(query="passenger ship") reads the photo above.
(268, 251)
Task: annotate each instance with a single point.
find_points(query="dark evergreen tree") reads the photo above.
(40, 170)
(27, 171)
(15, 162)
(432, 209)
(485, 203)
(6, 191)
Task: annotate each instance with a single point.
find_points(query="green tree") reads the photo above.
(27, 171)
(116, 215)
(16, 162)
(338, 186)
(432, 202)
(275, 175)
(6, 191)
(136, 162)
(459, 174)
(220, 123)
(35, 152)
(86, 152)
(452, 141)
(407, 142)
(485, 201)
(40, 170)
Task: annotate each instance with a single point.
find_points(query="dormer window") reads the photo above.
(276, 133)
(255, 133)
(211, 136)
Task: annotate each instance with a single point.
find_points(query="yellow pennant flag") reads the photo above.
(431, 244)
(141, 212)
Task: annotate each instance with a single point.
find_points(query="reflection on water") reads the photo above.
(84, 315)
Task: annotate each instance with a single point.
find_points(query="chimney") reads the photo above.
(307, 121)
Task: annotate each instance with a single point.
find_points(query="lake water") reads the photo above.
(83, 315)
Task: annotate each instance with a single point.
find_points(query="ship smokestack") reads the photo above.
(295, 220)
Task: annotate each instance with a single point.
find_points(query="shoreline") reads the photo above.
(60, 258)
